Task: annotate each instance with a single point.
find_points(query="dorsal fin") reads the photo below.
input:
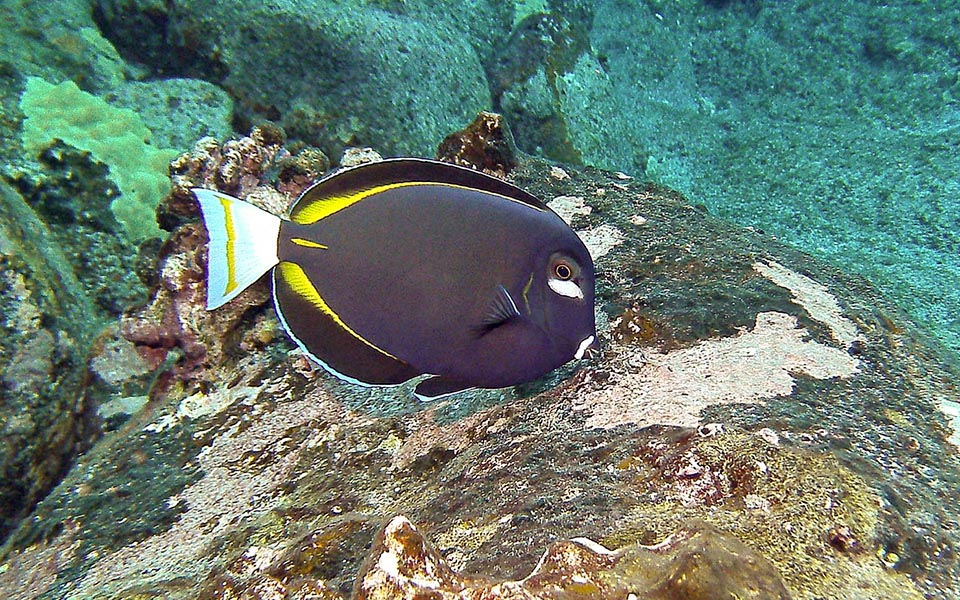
(349, 186)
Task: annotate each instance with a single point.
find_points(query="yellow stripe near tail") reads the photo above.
(231, 247)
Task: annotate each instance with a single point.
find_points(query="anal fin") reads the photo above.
(439, 386)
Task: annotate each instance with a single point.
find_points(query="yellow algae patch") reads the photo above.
(461, 541)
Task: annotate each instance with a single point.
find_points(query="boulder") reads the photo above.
(334, 77)
(45, 417)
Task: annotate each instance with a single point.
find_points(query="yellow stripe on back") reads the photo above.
(231, 250)
(294, 275)
(322, 208)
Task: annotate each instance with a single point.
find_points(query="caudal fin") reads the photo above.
(243, 244)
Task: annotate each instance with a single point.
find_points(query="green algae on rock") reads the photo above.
(117, 137)
(70, 192)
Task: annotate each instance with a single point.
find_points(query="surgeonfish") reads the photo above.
(407, 267)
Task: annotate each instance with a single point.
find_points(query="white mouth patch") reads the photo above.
(582, 348)
(566, 288)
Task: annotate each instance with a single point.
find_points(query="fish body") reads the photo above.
(406, 267)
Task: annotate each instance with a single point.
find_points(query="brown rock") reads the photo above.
(485, 145)
(696, 563)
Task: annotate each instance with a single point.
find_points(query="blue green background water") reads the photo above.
(831, 125)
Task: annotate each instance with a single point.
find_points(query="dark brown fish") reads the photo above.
(406, 267)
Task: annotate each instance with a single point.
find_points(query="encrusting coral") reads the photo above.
(114, 136)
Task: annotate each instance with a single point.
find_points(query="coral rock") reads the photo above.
(249, 475)
(485, 145)
(696, 563)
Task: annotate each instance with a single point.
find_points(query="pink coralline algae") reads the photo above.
(176, 317)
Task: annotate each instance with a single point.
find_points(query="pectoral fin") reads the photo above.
(501, 309)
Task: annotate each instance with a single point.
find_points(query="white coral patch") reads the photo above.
(569, 207)
(601, 240)
(673, 388)
(815, 298)
(952, 410)
(598, 240)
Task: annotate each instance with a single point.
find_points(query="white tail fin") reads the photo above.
(243, 244)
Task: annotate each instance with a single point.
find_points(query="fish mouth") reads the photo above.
(588, 346)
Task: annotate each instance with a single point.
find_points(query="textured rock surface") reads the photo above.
(743, 385)
(331, 73)
(697, 562)
(58, 41)
(178, 111)
(484, 144)
(45, 418)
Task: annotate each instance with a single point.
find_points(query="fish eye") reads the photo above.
(562, 272)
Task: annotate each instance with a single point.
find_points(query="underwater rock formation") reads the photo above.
(331, 76)
(743, 385)
(47, 325)
(177, 111)
(696, 562)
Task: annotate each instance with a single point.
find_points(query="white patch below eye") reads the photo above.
(582, 348)
(566, 288)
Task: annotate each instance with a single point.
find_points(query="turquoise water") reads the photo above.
(832, 126)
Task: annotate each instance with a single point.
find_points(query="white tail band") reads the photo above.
(243, 244)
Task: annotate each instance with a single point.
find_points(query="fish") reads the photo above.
(408, 267)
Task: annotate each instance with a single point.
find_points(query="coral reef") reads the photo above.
(525, 74)
(176, 317)
(759, 424)
(177, 111)
(71, 191)
(58, 42)
(673, 387)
